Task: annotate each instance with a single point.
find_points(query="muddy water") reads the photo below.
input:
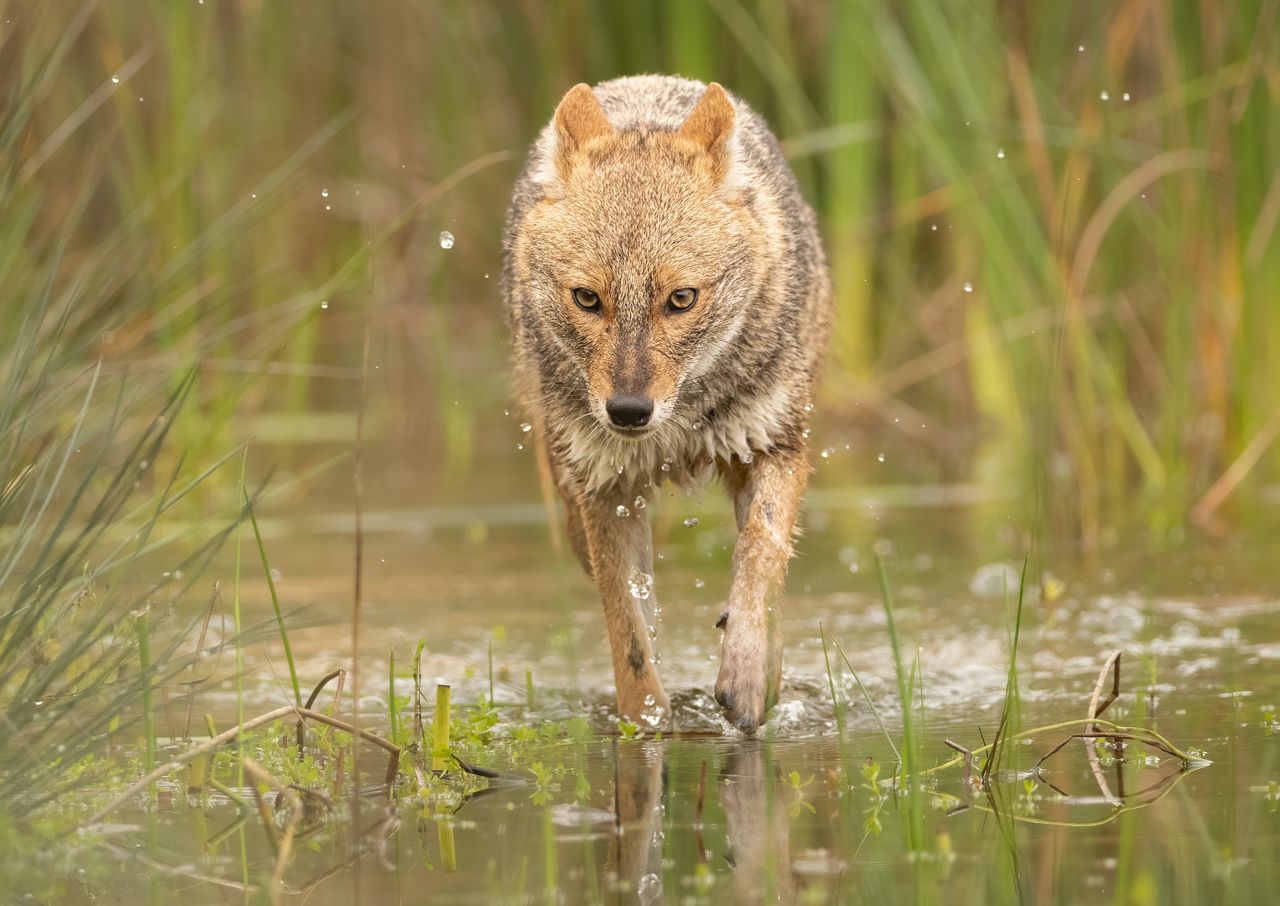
(707, 816)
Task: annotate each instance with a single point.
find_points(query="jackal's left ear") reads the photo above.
(710, 125)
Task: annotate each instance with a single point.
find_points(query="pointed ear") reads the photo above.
(579, 119)
(711, 123)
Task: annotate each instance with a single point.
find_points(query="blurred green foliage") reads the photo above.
(1053, 227)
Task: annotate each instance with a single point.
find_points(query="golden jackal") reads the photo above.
(670, 301)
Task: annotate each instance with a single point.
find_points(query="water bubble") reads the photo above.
(519, 446)
(1079, 48)
(324, 303)
(826, 452)
(622, 511)
(115, 80)
(324, 193)
(968, 287)
(1126, 96)
(699, 583)
(666, 466)
(649, 701)
(806, 432)
(934, 228)
(640, 503)
(880, 458)
(640, 584)
(808, 407)
(995, 580)
(691, 522)
(526, 427)
(1000, 153)
(446, 239)
(1104, 95)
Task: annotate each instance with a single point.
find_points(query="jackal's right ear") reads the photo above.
(579, 120)
(710, 127)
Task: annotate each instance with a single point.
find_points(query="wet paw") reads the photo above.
(742, 690)
(645, 706)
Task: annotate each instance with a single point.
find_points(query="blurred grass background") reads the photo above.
(1053, 228)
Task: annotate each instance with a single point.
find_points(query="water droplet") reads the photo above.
(640, 503)
(115, 80)
(324, 303)
(324, 193)
(691, 522)
(1000, 153)
(276, 575)
(446, 239)
(649, 889)
(934, 228)
(640, 584)
(1104, 95)
(1126, 96)
(699, 583)
(826, 453)
(649, 701)
(623, 511)
(666, 466)
(968, 287)
(526, 427)
(519, 446)
(746, 458)
(1079, 48)
(880, 457)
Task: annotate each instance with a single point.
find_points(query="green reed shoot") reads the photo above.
(910, 751)
(393, 709)
(142, 624)
(275, 598)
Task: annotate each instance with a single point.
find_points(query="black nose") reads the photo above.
(629, 411)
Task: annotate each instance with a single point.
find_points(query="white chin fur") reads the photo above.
(602, 456)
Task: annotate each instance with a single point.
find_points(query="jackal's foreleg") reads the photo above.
(766, 497)
(620, 550)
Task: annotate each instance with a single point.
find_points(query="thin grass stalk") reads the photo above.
(910, 745)
(142, 625)
(275, 599)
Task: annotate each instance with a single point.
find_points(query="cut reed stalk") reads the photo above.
(440, 730)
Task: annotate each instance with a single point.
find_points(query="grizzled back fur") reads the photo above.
(638, 188)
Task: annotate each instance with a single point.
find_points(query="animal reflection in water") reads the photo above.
(751, 843)
(757, 823)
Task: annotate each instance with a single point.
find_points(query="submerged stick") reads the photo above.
(1096, 707)
(284, 845)
(311, 700)
(235, 732)
(170, 766)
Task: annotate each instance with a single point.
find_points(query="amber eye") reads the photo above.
(682, 299)
(586, 299)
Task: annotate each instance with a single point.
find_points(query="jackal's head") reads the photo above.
(641, 258)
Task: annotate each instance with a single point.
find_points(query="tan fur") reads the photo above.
(639, 188)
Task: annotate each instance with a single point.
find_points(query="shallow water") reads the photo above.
(787, 816)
